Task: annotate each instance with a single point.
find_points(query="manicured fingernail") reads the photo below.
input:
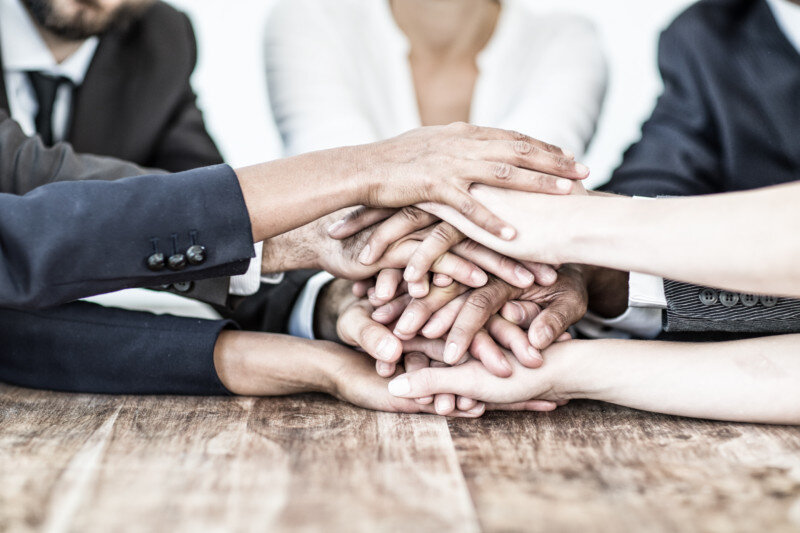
(363, 258)
(523, 275)
(564, 185)
(410, 273)
(478, 278)
(451, 353)
(405, 323)
(386, 348)
(582, 169)
(432, 326)
(534, 353)
(399, 386)
(336, 225)
(508, 233)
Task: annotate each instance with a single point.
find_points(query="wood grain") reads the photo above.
(89, 463)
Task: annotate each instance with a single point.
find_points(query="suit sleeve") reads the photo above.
(678, 154)
(70, 240)
(83, 347)
(185, 143)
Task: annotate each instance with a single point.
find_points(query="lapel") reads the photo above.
(773, 65)
(3, 95)
(97, 118)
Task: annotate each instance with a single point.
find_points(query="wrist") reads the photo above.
(569, 369)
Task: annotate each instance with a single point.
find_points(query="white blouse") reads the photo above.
(338, 74)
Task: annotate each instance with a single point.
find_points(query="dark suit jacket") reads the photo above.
(728, 120)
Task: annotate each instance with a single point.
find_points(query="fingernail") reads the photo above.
(386, 348)
(519, 312)
(404, 325)
(382, 292)
(417, 290)
(523, 275)
(432, 326)
(506, 365)
(399, 386)
(478, 278)
(336, 225)
(478, 409)
(363, 258)
(564, 185)
(410, 273)
(582, 169)
(381, 311)
(508, 233)
(544, 334)
(534, 353)
(451, 353)
(383, 367)
(440, 280)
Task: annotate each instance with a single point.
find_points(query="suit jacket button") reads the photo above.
(749, 300)
(183, 286)
(176, 262)
(156, 262)
(769, 301)
(708, 296)
(728, 299)
(196, 254)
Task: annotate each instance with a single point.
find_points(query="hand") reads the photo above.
(439, 239)
(546, 312)
(440, 163)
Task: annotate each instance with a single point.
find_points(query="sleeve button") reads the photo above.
(196, 254)
(708, 296)
(183, 286)
(728, 299)
(769, 301)
(749, 300)
(156, 262)
(176, 262)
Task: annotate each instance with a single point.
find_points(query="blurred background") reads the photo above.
(232, 92)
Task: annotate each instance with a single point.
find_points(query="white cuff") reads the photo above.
(301, 321)
(645, 290)
(640, 322)
(249, 282)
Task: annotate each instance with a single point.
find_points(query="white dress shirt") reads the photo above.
(646, 297)
(339, 74)
(23, 49)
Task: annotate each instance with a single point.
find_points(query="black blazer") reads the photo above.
(728, 120)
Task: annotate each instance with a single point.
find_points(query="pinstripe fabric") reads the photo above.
(687, 312)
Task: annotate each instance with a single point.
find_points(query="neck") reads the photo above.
(447, 28)
(60, 48)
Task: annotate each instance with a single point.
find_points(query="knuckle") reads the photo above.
(518, 136)
(482, 300)
(502, 171)
(523, 147)
(468, 207)
(470, 246)
(412, 214)
(443, 233)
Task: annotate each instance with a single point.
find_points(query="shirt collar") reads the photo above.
(787, 15)
(24, 49)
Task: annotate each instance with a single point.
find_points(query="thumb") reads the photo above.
(429, 382)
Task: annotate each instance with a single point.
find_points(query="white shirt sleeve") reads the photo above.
(248, 283)
(301, 321)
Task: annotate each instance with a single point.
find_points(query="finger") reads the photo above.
(565, 337)
(415, 361)
(388, 313)
(553, 321)
(515, 339)
(384, 369)
(520, 312)
(430, 381)
(460, 270)
(443, 403)
(355, 327)
(509, 174)
(443, 319)
(524, 153)
(360, 288)
(442, 280)
(489, 353)
(430, 348)
(418, 311)
(545, 275)
(419, 289)
(357, 220)
(403, 222)
(489, 134)
(480, 306)
(437, 243)
(490, 261)
(465, 404)
(530, 405)
(386, 285)
(471, 209)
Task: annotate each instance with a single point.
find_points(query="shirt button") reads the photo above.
(156, 262)
(749, 300)
(183, 286)
(728, 299)
(769, 301)
(708, 296)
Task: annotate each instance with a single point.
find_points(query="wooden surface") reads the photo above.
(89, 463)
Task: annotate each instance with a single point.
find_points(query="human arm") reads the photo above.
(753, 380)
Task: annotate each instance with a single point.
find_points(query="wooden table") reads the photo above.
(88, 463)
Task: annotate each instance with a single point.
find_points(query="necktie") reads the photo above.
(46, 88)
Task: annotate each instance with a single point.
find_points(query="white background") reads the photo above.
(232, 89)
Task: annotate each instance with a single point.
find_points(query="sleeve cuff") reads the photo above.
(639, 322)
(248, 283)
(301, 321)
(645, 290)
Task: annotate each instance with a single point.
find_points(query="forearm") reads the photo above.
(286, 193)
(262, 364)
(753, 380)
